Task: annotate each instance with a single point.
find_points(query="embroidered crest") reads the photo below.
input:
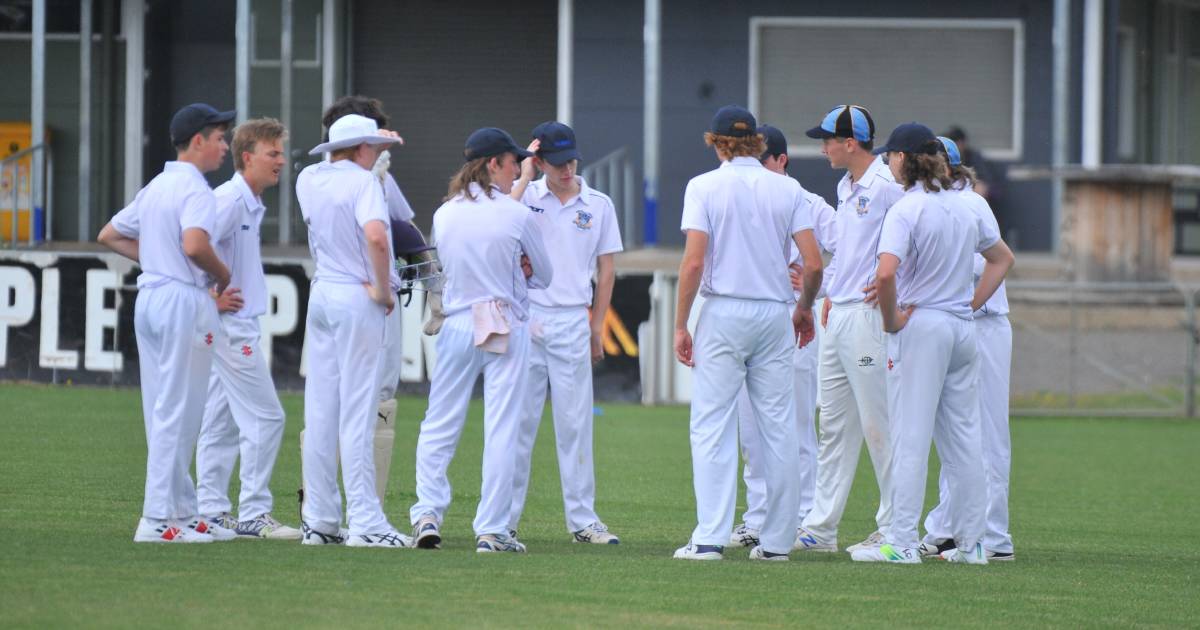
(583, 220)
(861, 206)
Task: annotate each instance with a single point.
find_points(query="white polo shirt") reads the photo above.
(998, 303)
(936, 238)
(479, 243)
(862, 206)
(750, 215)
(337, 201)
(238, 242)
(823, 218)
(175, 200)
(576, 233)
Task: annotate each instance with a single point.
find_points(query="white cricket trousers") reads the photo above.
(505, 387)
(176, 326)
(391, 358)
(933, 365)
(993, 337)
(854, 407)
(241, 417)
(744, 342)
(560, 357)
(804, 364)
(341, 392)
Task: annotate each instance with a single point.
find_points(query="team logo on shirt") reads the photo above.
(890, 364)
(247, 351)
(536, 209)
(583, 220)
(861, 206)
(208, 339)
(245, 228)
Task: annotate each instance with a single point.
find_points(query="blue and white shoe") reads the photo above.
(758, 553)
(224, 519)
(975, 555)
(310, 536)
(426, 532)
(265, 526)
(597, 534)
(806, 541)
(494, 543)
(388, 540)
(700, 552)
(887, 553)
(744, 536)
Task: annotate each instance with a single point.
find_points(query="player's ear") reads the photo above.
(783, 160)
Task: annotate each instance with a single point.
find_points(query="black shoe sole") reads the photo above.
(429, 541)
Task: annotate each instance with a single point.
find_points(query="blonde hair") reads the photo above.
(930, 169)
(248, 134)
(964, 174)
(473, 172)
(729, 147)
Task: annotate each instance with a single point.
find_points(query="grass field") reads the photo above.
(1105, 517)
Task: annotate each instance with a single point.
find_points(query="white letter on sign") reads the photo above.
(95, 357)
(16, 303)
(50, 355)
(282, 312)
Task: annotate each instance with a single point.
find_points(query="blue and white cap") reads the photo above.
(952, 154)
(845, 121)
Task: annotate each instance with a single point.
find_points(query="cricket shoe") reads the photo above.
(887, 553)
(426, 532)
(874, 540)
(224, 519)
(758, 553)
(597, 534)
(388, 540)
(1000, 556)
(494, 543)
(934, 549)
(310, 536)
(744, 536)
(265, 526)
(700, 552)
(975, 555)
(155, 531)
(806, 541)
(202, 525)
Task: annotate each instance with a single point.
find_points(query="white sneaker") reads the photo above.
(887, 553)
(202, 525)
(224, 519)
(806, 541)
(700, 552)
(744, 536)
(265, 526)
(156, 531)
(493, 543)
(426, 532)
(389, 540)
(935, 548)
(874, 540)
(597, 533)
(758, 553)
(973, 556)
(310, 536)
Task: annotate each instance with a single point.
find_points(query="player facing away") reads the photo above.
(804, 364)
(993, 337)
(926, 296)
(481, 235)
(167, 230)
(741, 220)
(350, 298)
(242, 415)
(581, 235)
(853, 375)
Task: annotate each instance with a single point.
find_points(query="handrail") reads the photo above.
(20, 154)
(612, 174)
(13, 162)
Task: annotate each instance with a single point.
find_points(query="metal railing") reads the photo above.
(12, 163)
(613, 176)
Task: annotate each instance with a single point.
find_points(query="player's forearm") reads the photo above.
(377, 253)
(887, 301)
(118, 243)
(689, 284)
(605, 279)
(198, 248)
(812, 285)
(989, 281)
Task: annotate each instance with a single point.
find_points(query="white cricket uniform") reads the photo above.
(175, 320)
(993, 337)
(345, 330)
(804, 362)
(933, 363)
(480, 242)
(391, 359)
(576, 233)
(745, 336)
(242, 414)
(853, 379)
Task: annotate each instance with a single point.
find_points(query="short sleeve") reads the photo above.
(199, 211)
(610, 233)
(128, 221)
(397, 204)
(226, 221)
(896, 236)
(802, 213)
(989, 229)
(369, 205)
(694, 215)
(823, 223)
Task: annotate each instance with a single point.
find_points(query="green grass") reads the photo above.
(1104, 518)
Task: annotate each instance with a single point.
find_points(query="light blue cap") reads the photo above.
(952, 154)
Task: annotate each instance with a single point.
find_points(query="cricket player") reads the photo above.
(167, 230)
(926, 296)
(804, 362)
(242, 414)
(581, 235)
(351, 295)
(741, 220)
(482, 235)
(853, 379)
(993, 335)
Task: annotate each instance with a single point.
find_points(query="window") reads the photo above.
(801, 67)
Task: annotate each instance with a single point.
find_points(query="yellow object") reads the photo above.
(15, 137)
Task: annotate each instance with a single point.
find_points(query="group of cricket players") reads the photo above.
(911, 346)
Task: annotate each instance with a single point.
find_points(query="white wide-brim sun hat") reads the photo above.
(352, 130)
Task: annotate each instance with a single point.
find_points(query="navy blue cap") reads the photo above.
(557, 143)
(735, 121)
(950, 147)
(193, 118)
(776, 143)
(490, 141)
(845, 121)
(910, 137)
